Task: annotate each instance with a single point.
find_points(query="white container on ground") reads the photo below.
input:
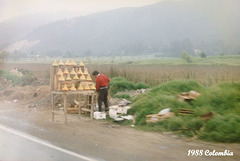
(99, 115)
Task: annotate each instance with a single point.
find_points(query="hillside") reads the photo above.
(168, 27)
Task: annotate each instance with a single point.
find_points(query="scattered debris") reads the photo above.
(121, 109)
(133, 93)
(124, 102)
(32, 105)
(119, 119)
(159, 117)
(185, 112)
(15, 100)
(113, 126)
(128, 117)
(36, 93)
(166, 110)
(142, 91)
(188, 96)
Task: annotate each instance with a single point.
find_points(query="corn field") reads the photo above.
(157, 74)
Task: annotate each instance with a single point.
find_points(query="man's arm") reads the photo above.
(97, 85)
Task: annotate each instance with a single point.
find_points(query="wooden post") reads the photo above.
(52, 107)
(65, 107)
(55, 84)
(51, 77)
(79, 105)
(92, 99)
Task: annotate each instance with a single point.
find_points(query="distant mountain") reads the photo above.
(14, 29)
(168, 26)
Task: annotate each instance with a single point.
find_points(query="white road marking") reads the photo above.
(34, 139)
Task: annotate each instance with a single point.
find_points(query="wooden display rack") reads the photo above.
(63, 88)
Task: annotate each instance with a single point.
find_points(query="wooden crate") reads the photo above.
(185, 112)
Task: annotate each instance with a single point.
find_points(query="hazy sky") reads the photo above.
(10, 8)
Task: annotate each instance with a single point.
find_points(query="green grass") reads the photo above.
(144, 59)
(223, 99)
(150, 59)
(27, 78)
(121, 84)
(126, 96)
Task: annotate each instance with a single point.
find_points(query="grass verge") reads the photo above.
(222, 99)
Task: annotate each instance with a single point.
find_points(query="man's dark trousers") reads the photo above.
(103, 97)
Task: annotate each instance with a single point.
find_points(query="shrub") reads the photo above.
(185, 56)
(203, 55)
(121, 84)
(27, 79)
(223, 129)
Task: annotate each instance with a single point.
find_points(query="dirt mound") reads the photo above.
(33, 96)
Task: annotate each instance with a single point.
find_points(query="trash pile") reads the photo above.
(119, 112)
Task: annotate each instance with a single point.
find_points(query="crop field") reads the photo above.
(157, 74)
(147, 69)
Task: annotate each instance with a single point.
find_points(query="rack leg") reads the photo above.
(65, 107)
(92, 99)
(52, 107)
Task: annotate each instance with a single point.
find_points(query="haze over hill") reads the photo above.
(15, 28)
(167, 27)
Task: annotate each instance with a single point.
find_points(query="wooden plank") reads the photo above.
(52, 103)
(52, 78)
(86, 109)
(185, 112)
(73, 92)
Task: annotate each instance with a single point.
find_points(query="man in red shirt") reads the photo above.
(102, 89)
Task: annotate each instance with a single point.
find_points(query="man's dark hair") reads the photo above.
(95, 73)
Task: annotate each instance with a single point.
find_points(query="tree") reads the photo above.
(203, 55)
(3, 55)
(185, 56)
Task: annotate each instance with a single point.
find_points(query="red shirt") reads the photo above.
(101, 81)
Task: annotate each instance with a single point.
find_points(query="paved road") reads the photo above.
(18, 146)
